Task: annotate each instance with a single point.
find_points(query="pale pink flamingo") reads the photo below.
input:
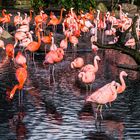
(87, 77)
(64, 43)
(121, 87)
(17, 19)
(74, 41)
(90, 67)
(1, 31)
(94, 48)
(19, 36)
(2, 44)
(103, 96)
(23, 28)
(77, 63)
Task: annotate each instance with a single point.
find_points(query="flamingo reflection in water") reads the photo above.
(17, 125)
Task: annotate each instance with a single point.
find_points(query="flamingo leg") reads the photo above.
(34, 62)
(96, 114)
(53, 72)
(86, 89)
(19, 98)
(101, 106)
(49, 77)
(90, 87)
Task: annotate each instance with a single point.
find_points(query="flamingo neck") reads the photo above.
(39, 38)
(95, 65)
(30, 15)
(60, 15)
(3, 13)
(123, 85)
(12, 93)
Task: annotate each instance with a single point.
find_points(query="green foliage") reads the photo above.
(36, 4)
(77, 4)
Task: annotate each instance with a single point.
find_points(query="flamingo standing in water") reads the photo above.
(34, 46)
(102, 96)
(77, 63)
(122, 86)
(90, 67)
(54, 56)
(10, 50)
(21, 75)
(21, 59)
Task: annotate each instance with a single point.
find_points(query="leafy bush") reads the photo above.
(77, 4)
(36, 4)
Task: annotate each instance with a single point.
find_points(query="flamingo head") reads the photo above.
(4, 10)
(123, 73)
(10, 15)
(97, 58)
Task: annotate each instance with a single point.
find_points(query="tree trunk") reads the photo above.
(134, 53)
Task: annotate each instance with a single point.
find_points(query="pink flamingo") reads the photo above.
(87, 77)
(21, 59)
(64, 43)
(17, 19)
(2, 44)
(121, 87)
(77, 63)
(19, 36)
(90, 67)
(52, 57)
(94, 48)
(102, 96)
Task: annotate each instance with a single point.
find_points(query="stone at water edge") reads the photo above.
(6, 35)
(102, 7)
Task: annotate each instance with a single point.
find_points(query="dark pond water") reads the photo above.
(58, 111)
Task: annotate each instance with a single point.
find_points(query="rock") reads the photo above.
(102, 7)
(6, 35)
(129, 8)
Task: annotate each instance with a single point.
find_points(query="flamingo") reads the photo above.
(77, 63)
(52, 57)
(47, 39)
(87, 77)
(34, 46)
(2, 44)
(6, 19)
(18, 37)
(17, 19)
(94, 48)
(21, 59)
(103, 95)
(122, 86)
(55, 21)
(90, 67)
(21, 75)
(10, 50)
(64, 43)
